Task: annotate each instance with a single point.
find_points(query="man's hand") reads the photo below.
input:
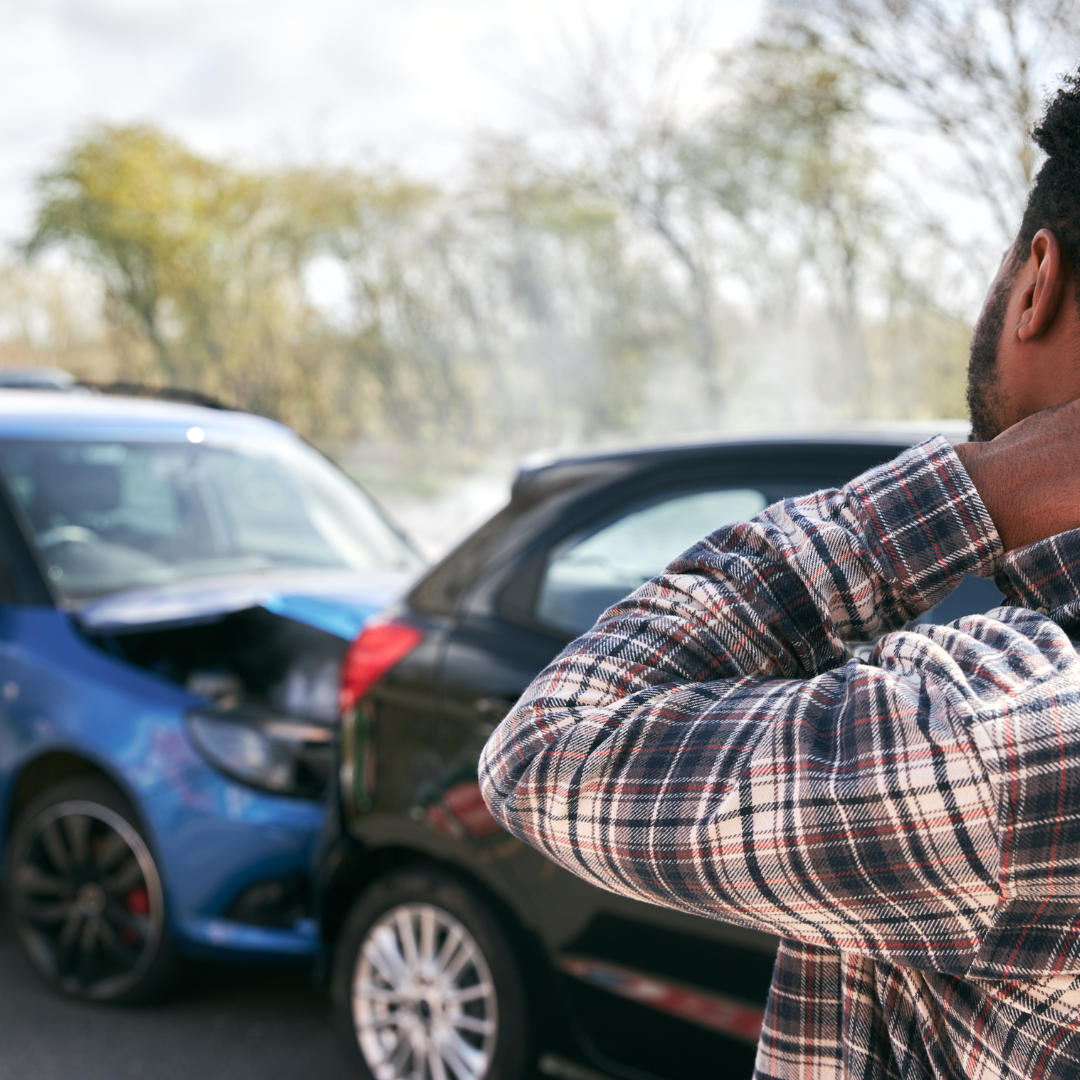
(1029, 476)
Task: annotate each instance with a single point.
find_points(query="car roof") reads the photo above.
(49, 414)
(546, 466)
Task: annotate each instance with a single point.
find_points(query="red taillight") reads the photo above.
(371, 655)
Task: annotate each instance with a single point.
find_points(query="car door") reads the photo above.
(650, 988)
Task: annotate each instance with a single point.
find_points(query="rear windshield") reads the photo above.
(112, 515)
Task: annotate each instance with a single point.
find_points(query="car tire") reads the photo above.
(85, 895)
(423, 970)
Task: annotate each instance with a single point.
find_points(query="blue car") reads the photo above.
(178, 586)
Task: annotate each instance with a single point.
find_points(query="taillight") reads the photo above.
(372, 655)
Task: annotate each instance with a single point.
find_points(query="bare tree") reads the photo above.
(628, 105)
(786, 154)
(969, 74)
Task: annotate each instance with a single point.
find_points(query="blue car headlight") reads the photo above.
(290, 757)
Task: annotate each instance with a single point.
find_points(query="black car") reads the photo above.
(458, 952)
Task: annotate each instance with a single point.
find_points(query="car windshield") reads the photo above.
(112, 515)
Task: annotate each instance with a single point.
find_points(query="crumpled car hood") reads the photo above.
(337, 602)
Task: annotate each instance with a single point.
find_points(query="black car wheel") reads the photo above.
(85, 894)
(426, 986)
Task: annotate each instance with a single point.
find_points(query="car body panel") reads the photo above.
(59, 694)
(222, 837)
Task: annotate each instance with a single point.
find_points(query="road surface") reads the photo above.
(226, 1023)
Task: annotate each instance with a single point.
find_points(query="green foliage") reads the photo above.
(466, 317)
(149, 215)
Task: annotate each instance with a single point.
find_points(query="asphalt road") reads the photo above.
(226, 1023)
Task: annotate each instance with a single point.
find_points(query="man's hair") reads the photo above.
(1054, 202)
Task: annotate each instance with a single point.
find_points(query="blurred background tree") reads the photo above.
(509, 312)
(800, 237)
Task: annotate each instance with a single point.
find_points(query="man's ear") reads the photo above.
(1040, 301)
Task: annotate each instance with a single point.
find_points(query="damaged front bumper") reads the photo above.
(235, 863)
(237, 826)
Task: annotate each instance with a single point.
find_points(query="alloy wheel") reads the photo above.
(86, 898)
(423, 998)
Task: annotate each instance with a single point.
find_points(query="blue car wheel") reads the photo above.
(85, 894)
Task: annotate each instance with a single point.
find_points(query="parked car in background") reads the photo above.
(178, 586)
(458, 950)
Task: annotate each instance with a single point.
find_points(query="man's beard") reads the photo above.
(984, 397)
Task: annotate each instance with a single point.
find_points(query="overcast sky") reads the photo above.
(270, 80)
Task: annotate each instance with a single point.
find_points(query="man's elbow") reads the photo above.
(496, 784)
(506, 762)
(525, 745)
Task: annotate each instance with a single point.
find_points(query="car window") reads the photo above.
(586, 574)
(973, 596)
(109, 515)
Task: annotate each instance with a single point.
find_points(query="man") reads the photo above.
(909, 826)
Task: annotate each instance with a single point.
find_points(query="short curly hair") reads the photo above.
(1054, 201)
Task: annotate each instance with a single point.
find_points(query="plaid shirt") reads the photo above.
(908, 826)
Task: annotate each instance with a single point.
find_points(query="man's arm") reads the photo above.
(674, 755)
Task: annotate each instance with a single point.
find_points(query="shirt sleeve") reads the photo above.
(707, 745)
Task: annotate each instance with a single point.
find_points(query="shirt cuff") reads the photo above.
(925, 520)
(1045, 576)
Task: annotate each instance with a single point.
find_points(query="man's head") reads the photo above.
(1025, 349)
